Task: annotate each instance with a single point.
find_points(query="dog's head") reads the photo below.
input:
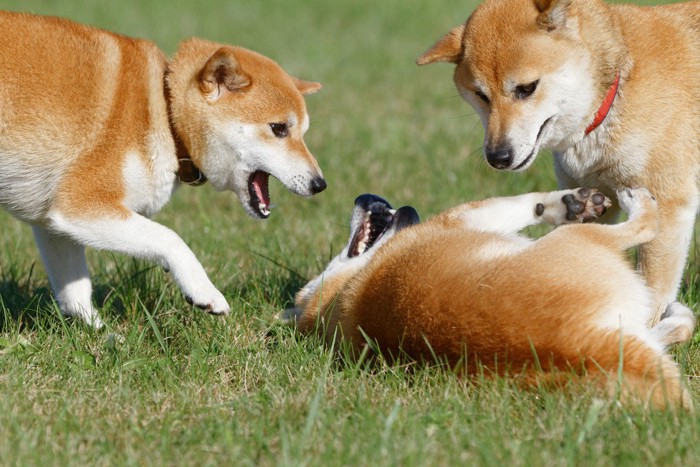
(527, 71)
(242, 118)
(372, 224)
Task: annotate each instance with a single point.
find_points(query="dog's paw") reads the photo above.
(215, 305)
(87, 315)
(584, 205)
(289, 316)
(677, 324)
(634, 200)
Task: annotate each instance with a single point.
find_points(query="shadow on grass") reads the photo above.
(21, 306)
(27, 303)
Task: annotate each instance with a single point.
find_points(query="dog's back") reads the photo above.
(664, 43)
(67, 91)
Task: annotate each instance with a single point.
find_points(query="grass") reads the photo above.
(186, 388)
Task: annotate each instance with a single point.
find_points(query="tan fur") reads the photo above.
(479, 297)
(93, 126)
(651, 136)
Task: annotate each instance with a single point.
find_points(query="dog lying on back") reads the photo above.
(612, 90)
(97, 130)
(465, 287)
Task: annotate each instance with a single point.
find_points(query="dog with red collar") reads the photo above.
(612, 90)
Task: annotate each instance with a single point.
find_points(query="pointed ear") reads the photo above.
(222, 74)
(447, 49)
(553, 14)
(306, 87)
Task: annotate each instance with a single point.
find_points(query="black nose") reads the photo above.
(318, 184)
(500, 157)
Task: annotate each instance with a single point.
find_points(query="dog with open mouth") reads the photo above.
(97, 130)
(465, 288)
(614, 92)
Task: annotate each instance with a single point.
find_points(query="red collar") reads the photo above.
(605, 106)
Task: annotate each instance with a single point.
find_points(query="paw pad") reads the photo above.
(585, 205)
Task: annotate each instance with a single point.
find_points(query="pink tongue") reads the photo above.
(260, 180)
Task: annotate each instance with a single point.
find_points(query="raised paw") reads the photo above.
(633, 200)
(585, 205)
(217, 306)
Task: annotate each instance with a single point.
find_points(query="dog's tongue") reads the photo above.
(260, 183)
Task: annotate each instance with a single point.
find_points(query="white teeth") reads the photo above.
(263, 209)
(392, 211)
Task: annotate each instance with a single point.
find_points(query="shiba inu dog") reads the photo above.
(465, 287)
(98, 129)
(612, 90)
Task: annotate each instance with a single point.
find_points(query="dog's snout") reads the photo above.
(318, 184)
(500, 157)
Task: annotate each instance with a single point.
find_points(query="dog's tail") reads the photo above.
(640, 373)
(622, 366)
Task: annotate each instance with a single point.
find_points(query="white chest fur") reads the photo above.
(149, 182)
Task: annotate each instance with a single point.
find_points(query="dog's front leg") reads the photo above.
(137, 236)
(514, 213)
(65, 265)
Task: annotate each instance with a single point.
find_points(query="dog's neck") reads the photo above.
(187, 172)
(606, 105)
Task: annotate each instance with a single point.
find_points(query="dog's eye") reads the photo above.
(482, 96)
(280, 129)
(523, 91)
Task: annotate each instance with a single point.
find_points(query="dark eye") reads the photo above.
(280, 129)
(482, 96)
(523, 91)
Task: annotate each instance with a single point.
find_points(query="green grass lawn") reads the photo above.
(186, 388)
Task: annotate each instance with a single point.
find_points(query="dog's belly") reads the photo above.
(27, 188)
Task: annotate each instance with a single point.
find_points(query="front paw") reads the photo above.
(585, 205)
(215, 304)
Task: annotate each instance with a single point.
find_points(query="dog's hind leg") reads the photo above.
(134, 235)
(641, 226)
(514, 213)
(65, 265)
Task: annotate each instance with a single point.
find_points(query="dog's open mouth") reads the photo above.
(259, 193)
(373, 218)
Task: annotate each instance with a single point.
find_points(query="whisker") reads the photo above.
(464, 116)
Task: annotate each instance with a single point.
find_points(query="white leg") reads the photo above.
(140, 237)
(65, 265)
(514, 213)
(662, 260)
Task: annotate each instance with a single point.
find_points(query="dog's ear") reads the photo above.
(221, 74)
(553, 14)
(306, 87)
(447, 49)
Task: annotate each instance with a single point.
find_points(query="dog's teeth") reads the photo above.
(392, 211)
(263, 209)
